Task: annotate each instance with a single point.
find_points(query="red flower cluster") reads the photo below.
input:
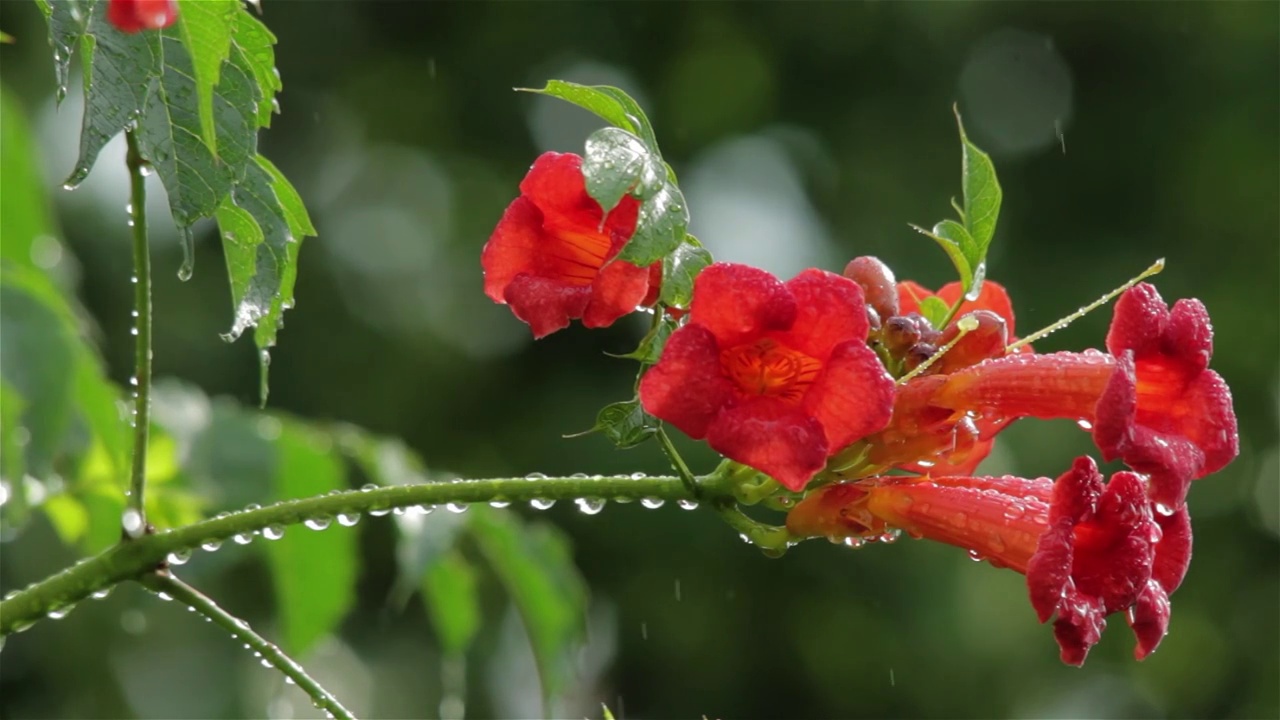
(796, 380)
(551, 258)
(132, 16)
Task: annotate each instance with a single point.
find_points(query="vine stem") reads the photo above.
(136, 523)
(141, 556)
(170, 586)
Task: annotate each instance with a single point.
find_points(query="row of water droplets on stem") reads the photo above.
(57, 612)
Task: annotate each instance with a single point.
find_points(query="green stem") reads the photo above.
(686, 476)
(132, 559)
(173, 587)
(769, 538)
(136, 521)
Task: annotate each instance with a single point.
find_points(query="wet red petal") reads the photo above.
(738, 303)
(829, 311)
(544, 304)
(992, 297)
(555, 184)
(853, 397)
(773, 437)
(687, 388)
(616, 291)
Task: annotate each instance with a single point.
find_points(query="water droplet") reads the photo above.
(252, 506)
(535, 476)
(265, 663)
(456, 508)
(1165, 510)
(499, 504)
(273, 532)
(890, 536)
(131, 521)
(319, 522)
(101, 594)
(348, 519)
(380, 512)
(638, 476)
(976, 556)
(290, 681)
(687, 504)
(854, 542)
(145, 170)
(652, 503)
(188, 242)
(210, 545)
(164, 596)
(1084, 424)
(243, 538)
(541, 504)
(179, 557)
(59, 613)
(590, 506)
(925, 463)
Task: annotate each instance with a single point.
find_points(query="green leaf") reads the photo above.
(535, 565)
(982, 197)
(24, 205)
(206, 26)
(649, 351)
(625, 423)
(314, 572)
(98, 400)
(616, 163)
(256, 43)
(452, 603)
(680, 268)
(69, 517)
(171, 134)
(660, 227)
(613, 105)
(423, 540)
(67, 20)
(120, 74)
(953, 239)
(935, 310)
(12, 405)
(295, 213)
(262, 252)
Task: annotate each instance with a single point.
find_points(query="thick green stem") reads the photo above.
(135, 521)
(133, 559)
(163, 582)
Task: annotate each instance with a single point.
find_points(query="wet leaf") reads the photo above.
(660, 227)
(67, 20)
(452, 603)
(982, 198)
(613, 105)
(314, 572)
(680, 268)
(617, 163)
(953, 239)
(935, 310)
(649, 351)
(206, 27)
(256, 43)
(626, 424)
(535, 566)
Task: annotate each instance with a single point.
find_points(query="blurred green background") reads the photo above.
(803, 134)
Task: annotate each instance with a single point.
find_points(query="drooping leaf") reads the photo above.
(120, 75)
(680, 268)
(616, 163)
(660, 227)
(535, 566)
(314, 573)
(256, 43)
(982, 198)
(613, 105)
(206, 27)
(452, 603)
(626, 424)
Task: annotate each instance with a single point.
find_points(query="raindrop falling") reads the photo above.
(179, 557)
(348, 519)
(188, 242)
(273, 532)
(541, 504)
(590, 506)
(319, 522)
(456, 508)
(652, 503)
(687, 504)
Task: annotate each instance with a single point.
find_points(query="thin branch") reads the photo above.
(132, 559)
(686, 476)
(135, 520)
(178, 590)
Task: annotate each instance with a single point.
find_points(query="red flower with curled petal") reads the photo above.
(774, 375)
(1088, 549)
(132, 16)
(1152, 402)
(551, 257)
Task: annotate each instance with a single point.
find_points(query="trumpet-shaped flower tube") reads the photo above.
(552, 255)
(774, 375)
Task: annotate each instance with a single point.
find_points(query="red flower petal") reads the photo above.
(617, 290)
(853, 397)
(772, 437)
(544, 304)
(132, 16)
(687, 388)
(555, 184)
(737, 303)
(829, 311)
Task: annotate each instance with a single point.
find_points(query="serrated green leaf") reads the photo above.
(616, 163)
(613, 105)
(982, 198)
(935, 310)
(171, 134)
(67, 20)
(952, 238)
(660, 227)
(290, 201)
(535, 565)
(314, 573)
(120, 75)
(257, 43)
(680, 268)
(452, 603)
(626, 423)
(206, 28)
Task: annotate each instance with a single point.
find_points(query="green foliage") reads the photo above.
(626, 424)
(680, 268)
(935, 310)
(449, 592)
(966, 242)
(206, 29)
